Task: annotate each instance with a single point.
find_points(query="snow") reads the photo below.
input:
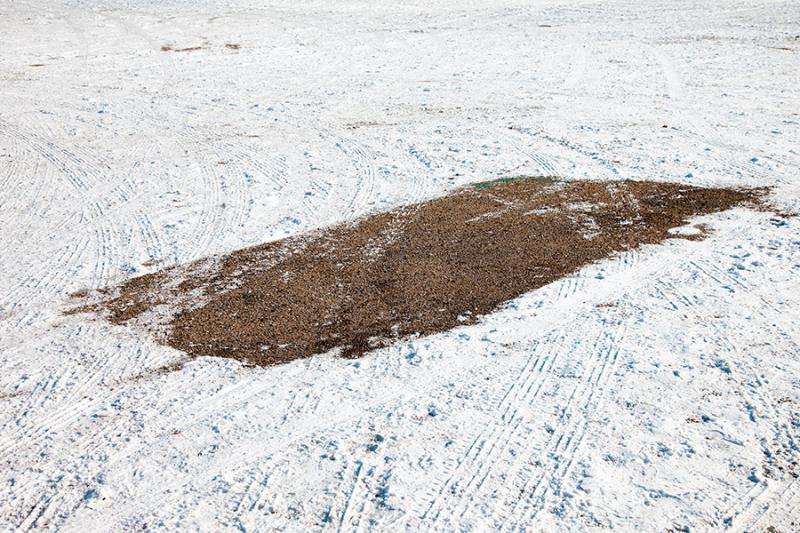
(657, 389)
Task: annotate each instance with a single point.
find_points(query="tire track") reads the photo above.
(482, 454)
(84, 178)
(564, 443)
(361, 160)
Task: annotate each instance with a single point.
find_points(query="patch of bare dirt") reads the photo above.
(152, 262)
(168, 48)
(419, 269)
(159, 371)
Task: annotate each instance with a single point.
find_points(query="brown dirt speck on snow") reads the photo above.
(168, 48)
(419, 269)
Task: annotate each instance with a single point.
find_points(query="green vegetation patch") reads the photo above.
(537, 179)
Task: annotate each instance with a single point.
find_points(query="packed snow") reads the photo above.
(659, 389)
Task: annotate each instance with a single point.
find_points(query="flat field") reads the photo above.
(656, 387)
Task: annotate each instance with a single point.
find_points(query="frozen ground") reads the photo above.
(656, 390)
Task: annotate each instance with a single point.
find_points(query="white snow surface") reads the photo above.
(657, 389)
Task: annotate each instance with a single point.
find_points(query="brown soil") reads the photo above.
(420, 269)
(168, 48)
(159, 371)
(151, 262)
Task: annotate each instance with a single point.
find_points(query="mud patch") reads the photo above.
(416, 270)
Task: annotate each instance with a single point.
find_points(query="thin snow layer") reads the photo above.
(655, 390)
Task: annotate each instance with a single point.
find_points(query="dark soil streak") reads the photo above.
(420, 269)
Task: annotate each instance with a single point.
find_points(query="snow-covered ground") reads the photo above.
(659, 389)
